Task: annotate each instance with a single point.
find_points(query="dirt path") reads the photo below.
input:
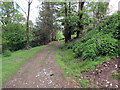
(41, 71)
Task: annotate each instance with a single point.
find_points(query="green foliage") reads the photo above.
(72, 21)
(46, 25)
(73, 36)
(116, 77)
(59, 36)
(7, 53)
(84, 82)
(10, 13)
(73, 65)
(111, 24)
(67, 45)
(90, 52)
(101, 42)
(13, 36)
(107, 45)
(97, 8)
(98, 44)
(13, 32)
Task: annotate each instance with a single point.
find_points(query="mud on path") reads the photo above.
(41, 71)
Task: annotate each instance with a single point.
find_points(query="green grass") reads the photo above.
(74, 66)
(10, 67)
(84, 82)
(73, 36)
(116, 77)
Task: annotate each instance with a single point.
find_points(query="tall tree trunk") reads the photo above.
(81, 4)
(78, 34)
(53, 37)
(66, 28)
(27, 27)
(69, 29)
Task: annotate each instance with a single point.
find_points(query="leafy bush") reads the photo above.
(67, 45)
(99, 44)
(59, 36)
(7, 53)
(13, 37)
(107, 45)
(90, 52)
(80, 44)
(111, 25)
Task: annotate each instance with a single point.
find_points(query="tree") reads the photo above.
(66, 13)
(7, 12)
(27, 25)
(65, 26)
(46, 24)
(13, 31)
(80, 14)
(13, 37)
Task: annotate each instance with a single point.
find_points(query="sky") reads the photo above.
(35, 3)
(33, 8)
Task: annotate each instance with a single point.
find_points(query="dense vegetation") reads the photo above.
(103, 41)
(93, 48)
(14, 28)
(90, 35)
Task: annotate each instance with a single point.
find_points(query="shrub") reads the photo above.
(111, 25)
(14, 37)
(59, 36)
(98, 44)
(7, 53)
(67, 45)
(107, 45)
(90, 52)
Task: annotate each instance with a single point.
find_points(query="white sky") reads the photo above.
(34, 10)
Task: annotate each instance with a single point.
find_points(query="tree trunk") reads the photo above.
(78, 34)
(66, 28)
(81, 4)
(69, 29)
(69, 35)
(27, 27)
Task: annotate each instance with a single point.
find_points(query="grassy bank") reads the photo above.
(11, 64)
(74, 66)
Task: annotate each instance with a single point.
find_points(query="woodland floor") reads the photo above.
(42, 71)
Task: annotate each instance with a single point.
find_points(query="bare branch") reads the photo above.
(23, 11)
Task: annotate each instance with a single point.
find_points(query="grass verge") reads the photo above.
(11, 64)
(74, 66)
(84, 82)
(116, 77)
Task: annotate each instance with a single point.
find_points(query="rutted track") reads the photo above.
(41, 71)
